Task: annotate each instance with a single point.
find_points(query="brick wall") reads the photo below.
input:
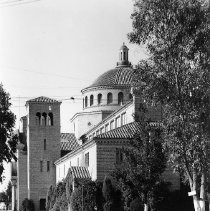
(39, 181)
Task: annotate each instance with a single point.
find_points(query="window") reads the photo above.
(119, 156)
(91, 100)
(38, 118)
(97, 132)
(86, 101)
(120, 98)
(64, 169)
(77, 161)
(83, 102)
(99, 98)
(112, 125)
(87, 159)
(109, 98)
(123, 119)
(45, 144)
(130, 96)
(42, 204)
(106, 128)
(102, 130)
(48, 165)
(70, 163)
(117, 121)
(93, 134)
(124, 54)
(50, 122)
(41, 166)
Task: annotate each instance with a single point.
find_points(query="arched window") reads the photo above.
(86, 101)
(51, 119)
(109, 98)
(130, 96)
(120, 98)
(44, 119)
(38, 118)
(99, 98)
(91, 100)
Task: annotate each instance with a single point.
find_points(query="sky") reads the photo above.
(54, 48)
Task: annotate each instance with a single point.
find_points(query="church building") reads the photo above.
(106, 124)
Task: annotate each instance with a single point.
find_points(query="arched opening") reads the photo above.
(38, 118)
(50, 119)
(91, 100)
(86, 101)
(130, 96)
(83, 103)
(99, 98)
(44, 119)
(109, 98)
(120, 98)
(124, 54)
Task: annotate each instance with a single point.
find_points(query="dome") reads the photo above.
(115, 77)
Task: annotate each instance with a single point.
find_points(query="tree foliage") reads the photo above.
(27, 205)
(56, 197)
(144, 162)
(112, 196)
(176, 34)
(7, 122)
(7, 195)
(86, 196)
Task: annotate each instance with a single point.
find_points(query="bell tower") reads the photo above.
(43, 149)
(123, 56)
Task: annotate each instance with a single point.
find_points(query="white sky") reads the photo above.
(55, 48)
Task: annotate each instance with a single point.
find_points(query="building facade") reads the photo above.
(111, 108)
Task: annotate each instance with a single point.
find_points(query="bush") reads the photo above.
(27, 205)
(112, 196)
(136, 205)
(87, 194)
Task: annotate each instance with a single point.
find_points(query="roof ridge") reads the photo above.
(43, 99)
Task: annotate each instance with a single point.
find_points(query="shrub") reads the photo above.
(27, 205)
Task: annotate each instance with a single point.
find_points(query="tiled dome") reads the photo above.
(115, 77)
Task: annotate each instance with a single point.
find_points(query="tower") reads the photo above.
(123, 56)
(43, 138)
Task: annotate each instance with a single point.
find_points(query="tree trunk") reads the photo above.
(193, 186)
(196, 203)
(202, 192)
(146, 208)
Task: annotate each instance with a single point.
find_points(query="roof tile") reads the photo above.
(43, 99)
(125, 132)
(68, 141)
(79, 172)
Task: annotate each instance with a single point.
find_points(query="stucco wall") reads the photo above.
(72, 159)
(83, 122)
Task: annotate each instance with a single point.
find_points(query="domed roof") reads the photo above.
(116, 77)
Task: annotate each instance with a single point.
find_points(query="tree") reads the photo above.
(7, 195)
(142, 167)
(7, 122)
(111, 195)
(84, 196)
(176, 34)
